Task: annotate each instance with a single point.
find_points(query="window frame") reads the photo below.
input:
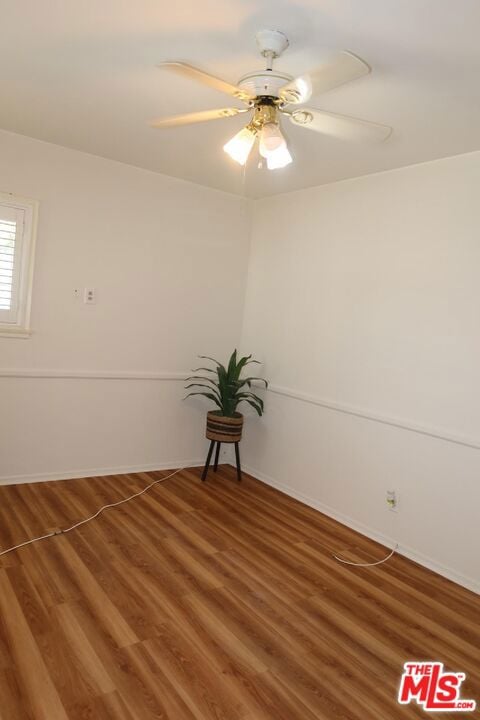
(20, 326)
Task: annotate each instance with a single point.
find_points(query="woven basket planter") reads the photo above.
(224, 429)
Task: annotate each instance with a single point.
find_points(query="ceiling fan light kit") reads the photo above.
(279, 159)
(271, 139)
(268, 95)
(240, 145)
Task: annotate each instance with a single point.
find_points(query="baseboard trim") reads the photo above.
(99, 472)
(405, 550)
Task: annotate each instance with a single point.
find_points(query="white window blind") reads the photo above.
(17, 224)
(11, 232)
(7, 250)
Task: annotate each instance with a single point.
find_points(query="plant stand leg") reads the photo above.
(217, 453)
(207, 461)
(237, 458)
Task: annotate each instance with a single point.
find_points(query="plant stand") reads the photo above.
(215, 464)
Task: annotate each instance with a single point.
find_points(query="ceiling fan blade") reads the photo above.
(340, 126)
(210, 80)
(340, 69)
(196, 117)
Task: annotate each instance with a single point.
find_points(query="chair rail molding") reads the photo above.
(92, 374)
(367, 414)
(363, 413)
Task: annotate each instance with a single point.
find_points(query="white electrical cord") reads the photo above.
(141, 492)
(92, 517)
(379, 562)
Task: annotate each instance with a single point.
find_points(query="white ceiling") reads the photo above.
(83, 74)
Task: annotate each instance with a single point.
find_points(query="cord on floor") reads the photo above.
(379, 562)
(92, 517)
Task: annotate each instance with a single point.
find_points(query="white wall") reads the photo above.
(168, 260)
(363, 299)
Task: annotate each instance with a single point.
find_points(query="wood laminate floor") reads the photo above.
(214, 601)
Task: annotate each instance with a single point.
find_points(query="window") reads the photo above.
(18, 219)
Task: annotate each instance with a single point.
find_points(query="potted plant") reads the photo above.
(227, 389)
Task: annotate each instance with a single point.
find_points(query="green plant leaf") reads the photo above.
(207, 357)
(206, 394)
(240, 365)
(255, 406)
(251, 396)
(224, 385)
(232, 364)
(248, 381)
(210, 389)
(201, 377)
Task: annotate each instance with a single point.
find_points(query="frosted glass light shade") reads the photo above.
(271, 139)
(240, 146)
(279, 158)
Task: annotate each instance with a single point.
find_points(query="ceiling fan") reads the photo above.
(269, 94)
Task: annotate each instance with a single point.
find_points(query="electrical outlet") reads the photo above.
(391, 499)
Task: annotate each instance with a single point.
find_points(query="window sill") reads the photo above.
(15, 332)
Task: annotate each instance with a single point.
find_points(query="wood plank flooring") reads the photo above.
(211, 601)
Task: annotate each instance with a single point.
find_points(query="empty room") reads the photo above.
(239, 360)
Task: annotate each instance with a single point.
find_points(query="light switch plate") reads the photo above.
(89, 296)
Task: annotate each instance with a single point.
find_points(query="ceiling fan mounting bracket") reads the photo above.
(271, 43)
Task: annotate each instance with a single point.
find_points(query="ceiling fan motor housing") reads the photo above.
(264, 82)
